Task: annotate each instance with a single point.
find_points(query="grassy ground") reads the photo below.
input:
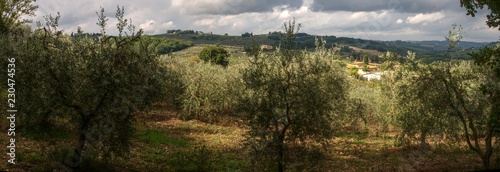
(164, 143)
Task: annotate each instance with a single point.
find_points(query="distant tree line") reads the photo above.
(246, 34)
(167, 45)
(185, 32)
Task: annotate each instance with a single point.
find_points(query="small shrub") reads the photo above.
(215, 55)
(194, 59)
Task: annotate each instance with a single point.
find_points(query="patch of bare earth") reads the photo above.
(349, 152)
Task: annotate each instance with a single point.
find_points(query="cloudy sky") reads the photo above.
(366, 19)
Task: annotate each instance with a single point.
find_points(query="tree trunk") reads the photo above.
(486, 161)
(423, 144)
(281, 147)
(76, 156)
(280, 156)
(488, 149)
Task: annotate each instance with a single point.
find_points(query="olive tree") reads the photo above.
(11, 12)
(472, 105)
(473, 93)
(291, 95)
(215, 55)
(11, 21)
(456, 97)
(97, 84)
(488, 59)
(420, 98)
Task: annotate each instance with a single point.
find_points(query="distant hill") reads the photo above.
(427, 50)
(369, 51)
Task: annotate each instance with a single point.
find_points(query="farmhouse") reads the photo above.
(372, 76)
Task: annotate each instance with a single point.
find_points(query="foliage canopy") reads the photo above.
(11, 12)
(292, 95)
(215, 55)
(493, 19)
(97, 85)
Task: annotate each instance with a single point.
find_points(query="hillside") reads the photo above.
(427, 50)
(369, 51)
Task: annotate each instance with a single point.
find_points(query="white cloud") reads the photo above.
(262, 16)
(222, 7)
(168, 25)
(154, 27)
(401, 6)
(284, 14)
(148, 26)
(424, 18)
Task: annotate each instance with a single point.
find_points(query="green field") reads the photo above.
(162, 142)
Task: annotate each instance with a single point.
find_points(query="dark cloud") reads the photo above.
(83, 13)
(404, 6)
(226, 7)
(380, 20)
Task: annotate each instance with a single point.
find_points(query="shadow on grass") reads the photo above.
(176, 145)
(350, 154)
(157, 137)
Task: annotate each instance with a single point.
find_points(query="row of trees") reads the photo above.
(455, 100)
(166, 46)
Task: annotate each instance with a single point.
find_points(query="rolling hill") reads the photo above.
(427, 50)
